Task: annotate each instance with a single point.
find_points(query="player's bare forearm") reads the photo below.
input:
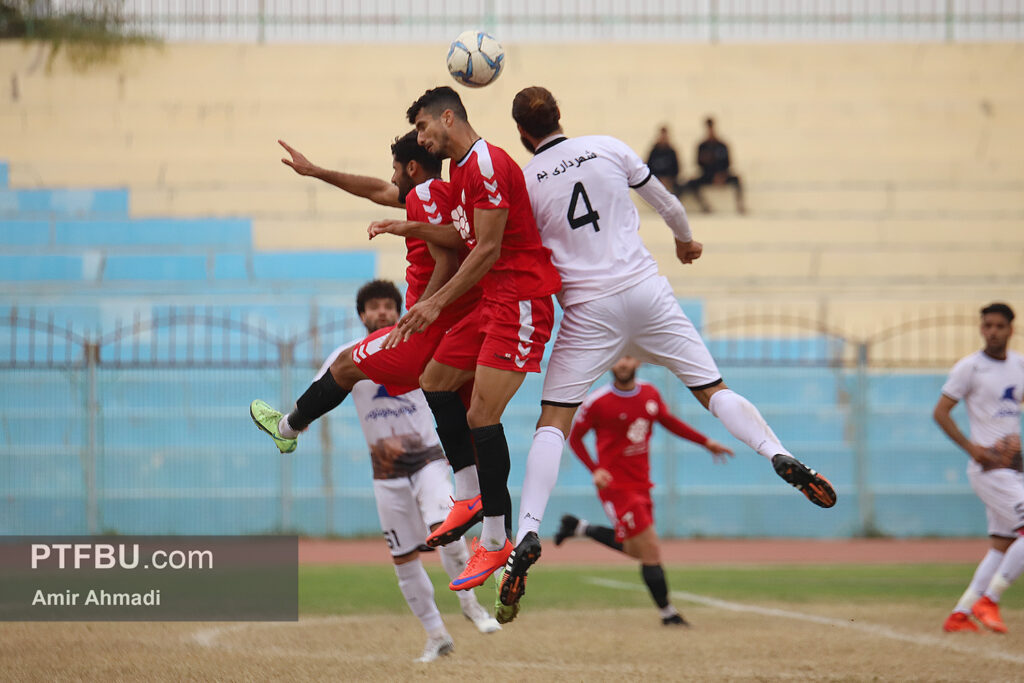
(944, 419)
(446, 264)
(442, 235)
(473, 268)
(489, 226)
(376, 190)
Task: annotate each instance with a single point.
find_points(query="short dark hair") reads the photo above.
(435, 101)
(536, 110)
(709, 122)
(378, 289)
(406, 149)
(1000, 308)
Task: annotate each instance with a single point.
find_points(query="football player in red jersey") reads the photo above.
(441, 361)
(621, 415)
(491, 214)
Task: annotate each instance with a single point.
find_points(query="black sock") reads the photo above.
(322, 396)
(604, 535)
(450, 416)
(654, 577)
(492, 467)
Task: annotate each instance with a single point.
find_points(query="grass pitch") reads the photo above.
(846, 623)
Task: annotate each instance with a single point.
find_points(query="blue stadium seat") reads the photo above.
(231, 267)
(155, 267)
(163, 232)
(24, 233)
(336, 265)
(31, 267)
(59, 202)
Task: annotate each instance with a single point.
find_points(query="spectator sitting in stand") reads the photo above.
(713, 159)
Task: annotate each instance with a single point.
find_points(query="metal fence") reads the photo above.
(144, 429)
(375, 21)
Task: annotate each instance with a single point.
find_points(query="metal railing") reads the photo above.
(382, 21)
(122, 431)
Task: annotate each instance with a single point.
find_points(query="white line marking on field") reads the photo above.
(868, 628)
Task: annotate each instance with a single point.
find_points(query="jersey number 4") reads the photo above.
(588, 218)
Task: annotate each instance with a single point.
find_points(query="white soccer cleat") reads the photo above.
(437, 646)
(483, 621)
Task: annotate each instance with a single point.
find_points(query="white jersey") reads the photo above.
(398, 429)
(580, 194)
(993, 391)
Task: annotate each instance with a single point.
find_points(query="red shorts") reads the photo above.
(515, 333)
(630, 509)
(398, 368)
(460, 346)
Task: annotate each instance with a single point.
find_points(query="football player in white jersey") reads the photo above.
(991, 383)
(615, 304)
(410, 481)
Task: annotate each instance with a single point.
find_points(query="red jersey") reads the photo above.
(488, 178)
(622, 422)
(430, 202)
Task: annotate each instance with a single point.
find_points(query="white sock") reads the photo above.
(744, 421)
(581, 527)
(667, 611)
(982, 576)
(541, 476)
(492, 535)
(467, 484)
(419, 594)
(285, 429)
(1009, 570)
(454, 557)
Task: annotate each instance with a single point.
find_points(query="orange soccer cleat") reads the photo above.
(987, 612)
(482, 564)
(959, 621)
(464, 514)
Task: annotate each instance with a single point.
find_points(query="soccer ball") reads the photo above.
(475, 59)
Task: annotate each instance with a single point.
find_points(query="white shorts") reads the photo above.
(408, 506)
(644, 321)
(1002, 492)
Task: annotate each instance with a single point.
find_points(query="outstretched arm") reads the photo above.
(376, 190)
(718, 451)
(442, 235)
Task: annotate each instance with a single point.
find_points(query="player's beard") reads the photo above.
(624, 378)
(526, 143)
(441, 150)
(377, 323)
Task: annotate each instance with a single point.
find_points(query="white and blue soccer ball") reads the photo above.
(475, 59)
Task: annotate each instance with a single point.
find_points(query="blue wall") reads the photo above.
(175, 452)
(157, 437)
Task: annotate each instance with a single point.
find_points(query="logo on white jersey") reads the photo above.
(637, 431)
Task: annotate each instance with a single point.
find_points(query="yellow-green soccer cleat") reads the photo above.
(266, 418)
(503, 613)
